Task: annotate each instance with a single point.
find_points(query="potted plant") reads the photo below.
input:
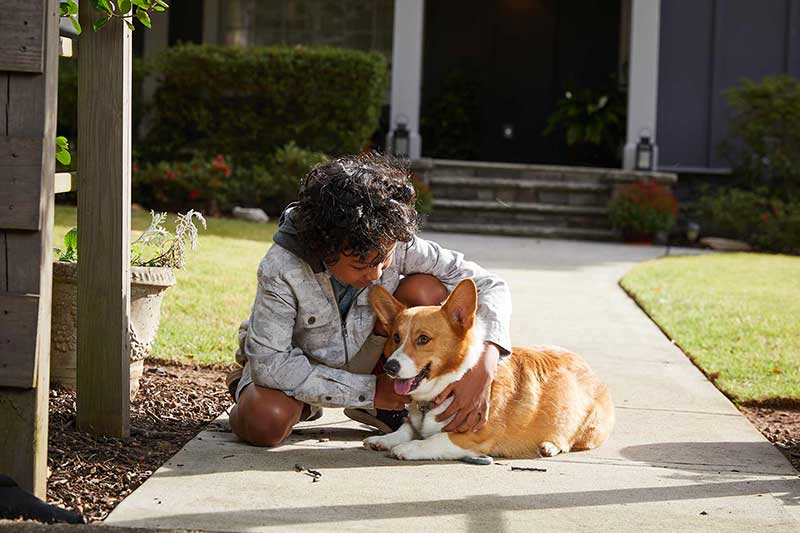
(153, 256)
(641, 209)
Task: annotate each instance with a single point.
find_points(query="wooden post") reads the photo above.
(104, 167)
(28, 87)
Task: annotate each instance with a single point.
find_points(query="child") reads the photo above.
(312, 338)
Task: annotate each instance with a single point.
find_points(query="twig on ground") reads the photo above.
(528, 469)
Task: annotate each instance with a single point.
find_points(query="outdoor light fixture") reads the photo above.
(644, 152)
(692, 231)
(401, 143)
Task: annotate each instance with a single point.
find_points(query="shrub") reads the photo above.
(215, 186)
(180, 185)
(287, 167)
(246, 102)
(764, 142)
(641, 209)
(768, 223)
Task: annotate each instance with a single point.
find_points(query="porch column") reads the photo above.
(643, 77)
(407, 72)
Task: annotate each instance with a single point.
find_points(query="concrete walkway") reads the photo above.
(681, 456)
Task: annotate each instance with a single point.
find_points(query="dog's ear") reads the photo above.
(461, 305)
(386, 306)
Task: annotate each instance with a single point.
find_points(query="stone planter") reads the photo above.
(147, 289)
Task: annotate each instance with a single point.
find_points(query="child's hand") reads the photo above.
(471, 394)
(386, 397)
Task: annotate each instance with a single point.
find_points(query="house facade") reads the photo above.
(500, 66)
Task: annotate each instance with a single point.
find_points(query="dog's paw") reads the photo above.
(408, 451)
(375, 443)
(548, 449)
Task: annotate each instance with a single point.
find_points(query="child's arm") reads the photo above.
(276, 364)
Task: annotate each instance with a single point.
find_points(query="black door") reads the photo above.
(493, 71)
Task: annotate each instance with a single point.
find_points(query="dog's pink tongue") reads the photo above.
(403, 386)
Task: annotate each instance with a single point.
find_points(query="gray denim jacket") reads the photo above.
(295, 340)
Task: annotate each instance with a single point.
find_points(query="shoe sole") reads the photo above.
(367, 419)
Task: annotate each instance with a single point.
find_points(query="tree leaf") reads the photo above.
(124, 6)
(63, 157)
(71, 239)
(130, 25)
(99, 23)
(143, 17)
(76, 25)
(62, 142)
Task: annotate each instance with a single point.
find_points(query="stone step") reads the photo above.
(575, 193)
(519, 183)
(449, 167)
(499, 212)
(526, 207)
(527, 230)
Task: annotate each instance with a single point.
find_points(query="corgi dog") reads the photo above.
(544, 400)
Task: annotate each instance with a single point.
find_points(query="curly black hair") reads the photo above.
(356, 205)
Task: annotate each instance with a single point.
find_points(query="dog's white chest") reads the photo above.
(422, 416)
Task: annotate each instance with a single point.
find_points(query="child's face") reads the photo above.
(352, 270)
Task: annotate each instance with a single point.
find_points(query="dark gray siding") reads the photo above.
(706, 47)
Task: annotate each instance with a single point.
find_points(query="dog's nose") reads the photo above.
(391, 367)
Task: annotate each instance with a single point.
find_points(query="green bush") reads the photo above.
(287, 167)
(768, 223)
(246, 102)
(764, 142)
(641, 209)
(213, 185)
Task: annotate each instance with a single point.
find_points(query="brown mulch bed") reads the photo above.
(91, 475)
(781, 426)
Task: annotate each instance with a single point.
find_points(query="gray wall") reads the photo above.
(706, 47)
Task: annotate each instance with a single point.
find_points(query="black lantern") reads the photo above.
(644, 152)
(401, 141)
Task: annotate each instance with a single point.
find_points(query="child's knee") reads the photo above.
(421, 289)
(264, 423)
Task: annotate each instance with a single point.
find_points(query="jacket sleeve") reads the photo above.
(277, 364)
(494, 297)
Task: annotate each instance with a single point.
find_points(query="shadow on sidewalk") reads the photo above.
(485, 510)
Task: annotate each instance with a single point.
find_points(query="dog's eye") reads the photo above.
(423, 339)
(396, 337)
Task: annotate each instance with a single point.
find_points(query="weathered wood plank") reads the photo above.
(18, 319)
(66, 182)
(19, 198)
(3, 120)
(31, 112)
(22, 36)
(104, 165)
(20, 162)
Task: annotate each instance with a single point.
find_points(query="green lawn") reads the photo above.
(201, 314)
(734, 314)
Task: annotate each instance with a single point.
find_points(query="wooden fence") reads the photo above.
(29, 47)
